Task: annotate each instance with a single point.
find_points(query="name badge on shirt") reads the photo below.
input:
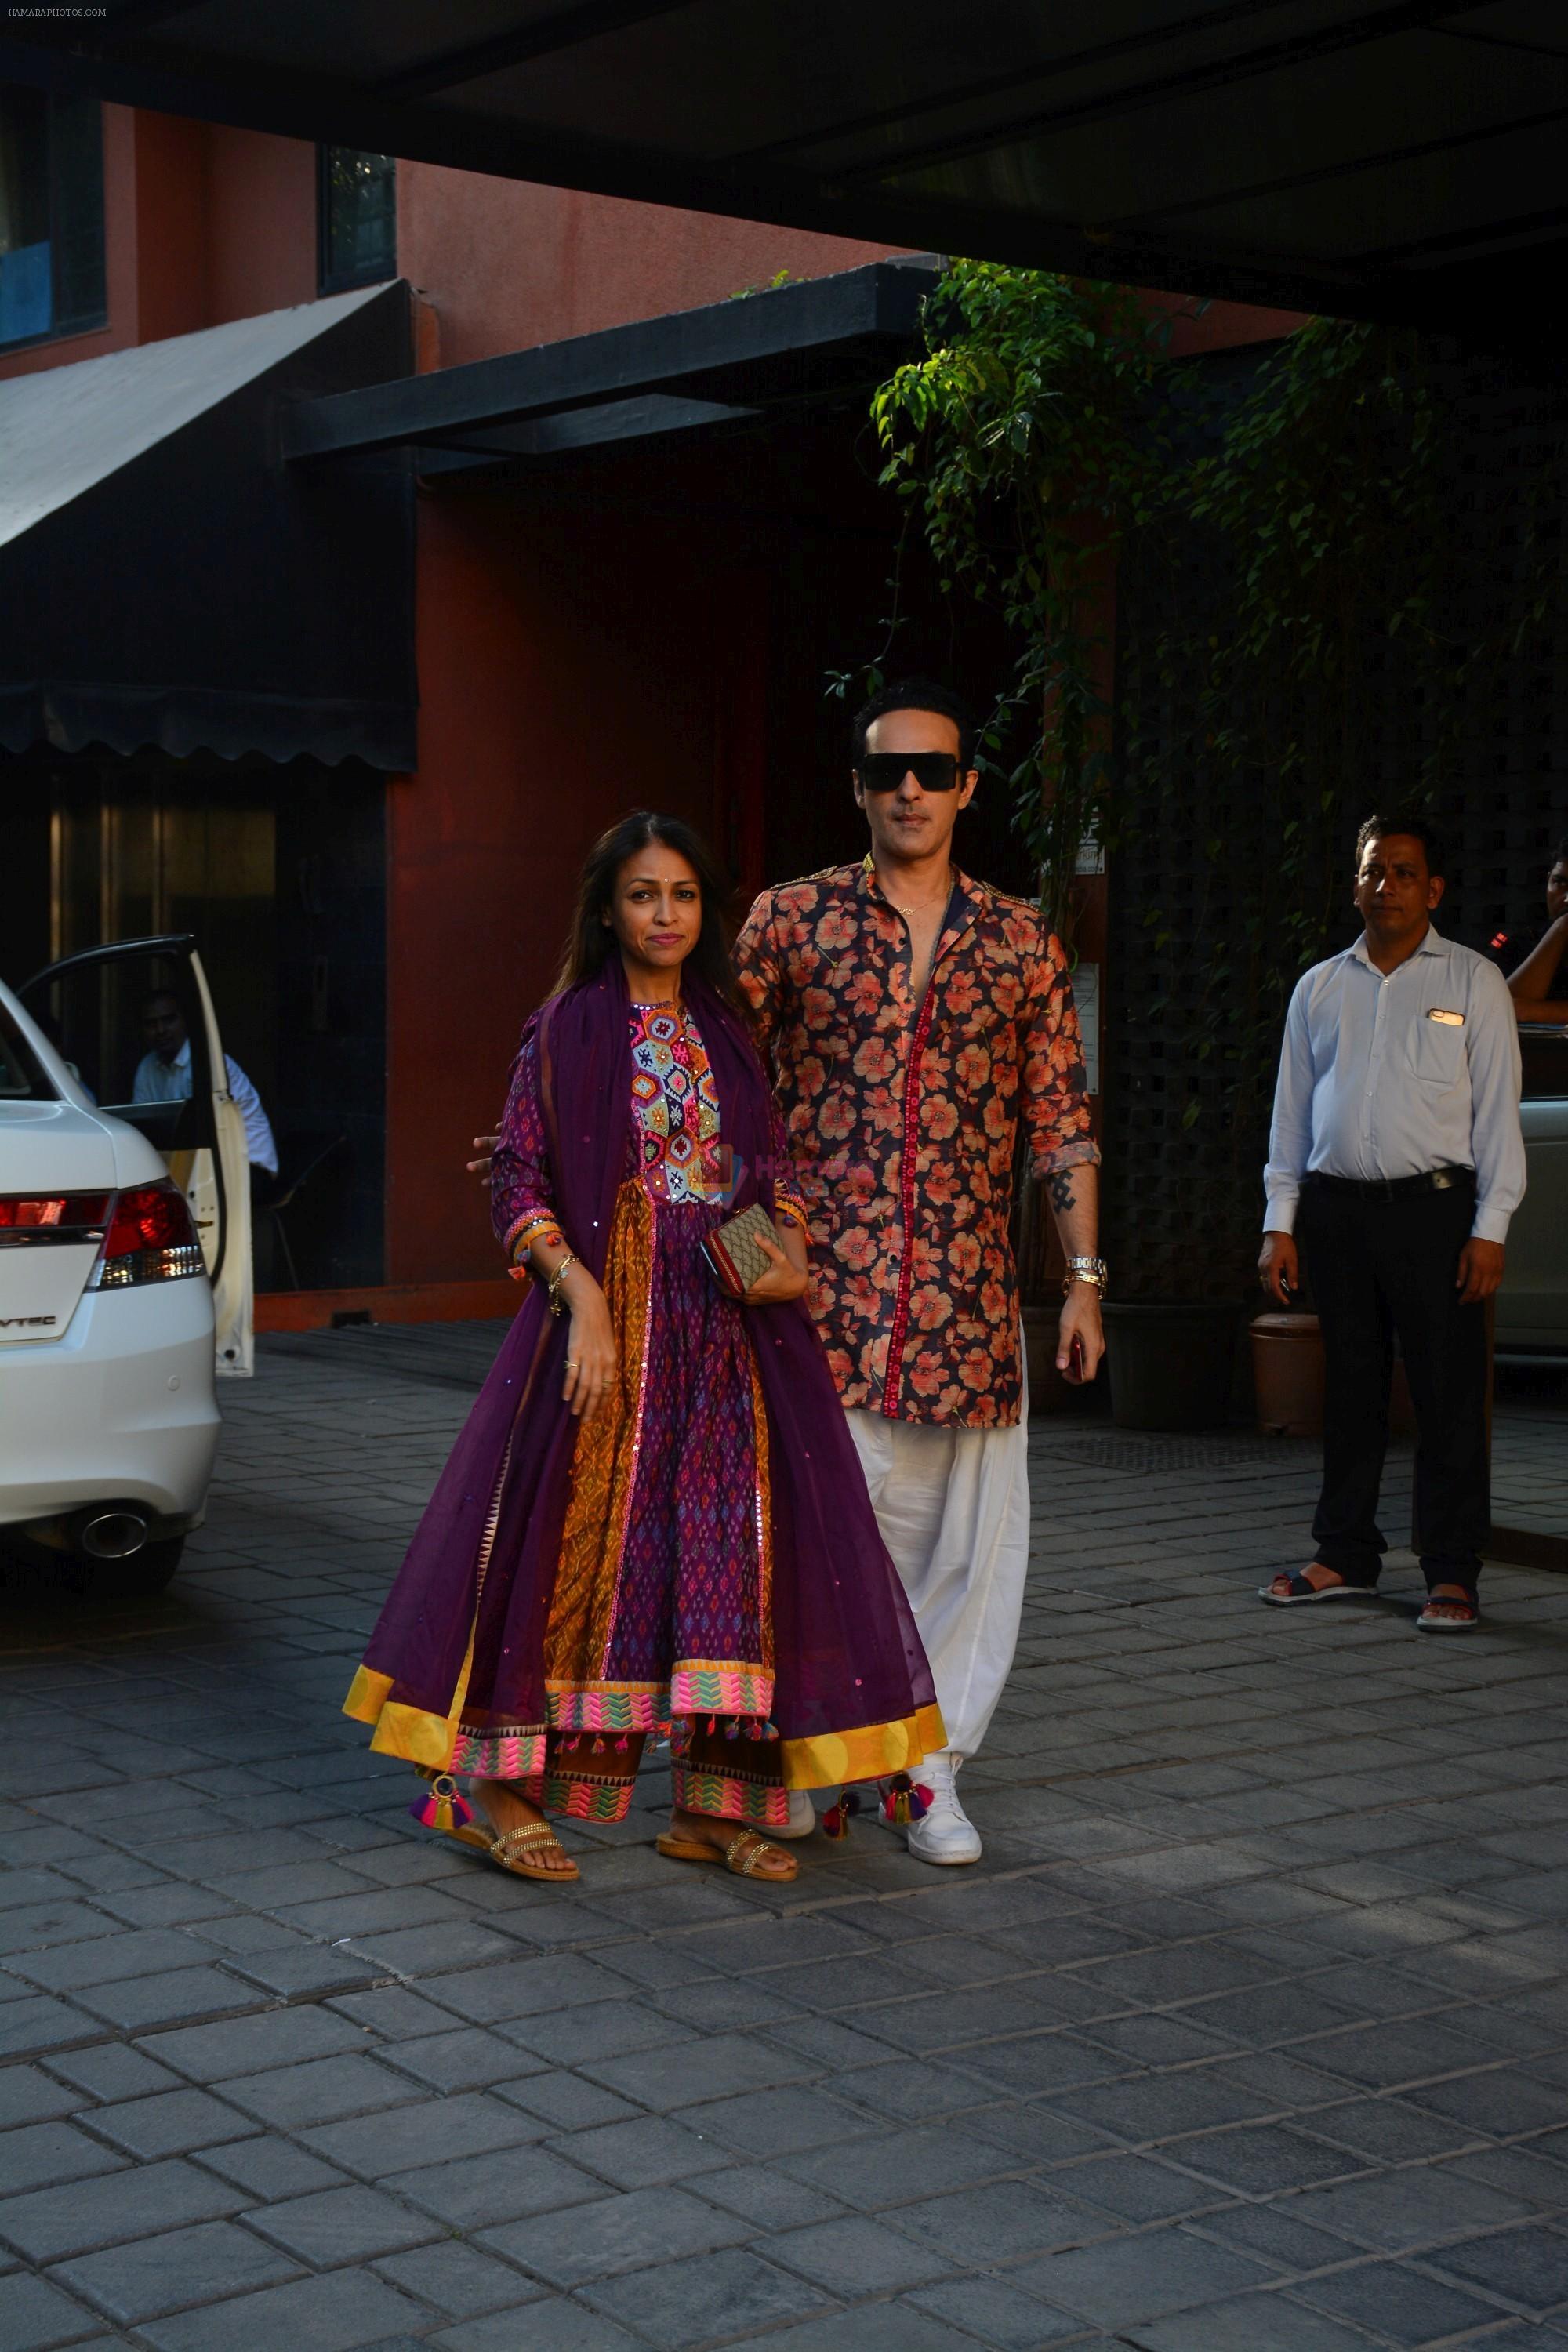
(1448, 1020)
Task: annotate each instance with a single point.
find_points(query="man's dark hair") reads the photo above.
(1419, 828)
(1560, 854)
(918, 694)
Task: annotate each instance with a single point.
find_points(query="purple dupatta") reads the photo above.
(845, 1651)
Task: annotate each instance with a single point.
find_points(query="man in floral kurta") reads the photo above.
(913, 1017)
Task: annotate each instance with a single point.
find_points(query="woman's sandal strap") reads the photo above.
(759, 1847)
(530, 1834)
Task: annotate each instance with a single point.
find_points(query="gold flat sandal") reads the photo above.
(741, 1857)
(507, 1851)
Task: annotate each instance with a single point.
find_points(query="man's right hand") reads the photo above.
(485, 1146)
(1278, 1268)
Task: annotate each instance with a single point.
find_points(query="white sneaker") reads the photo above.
(943, 1832)
(802, 1816)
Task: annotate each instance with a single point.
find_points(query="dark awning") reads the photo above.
(1399, 159)
(167, 582)
(683, 373)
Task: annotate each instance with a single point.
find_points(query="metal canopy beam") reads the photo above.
(1003, 131)
(793, 339)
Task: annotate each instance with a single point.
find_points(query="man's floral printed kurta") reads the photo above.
(903, 1120)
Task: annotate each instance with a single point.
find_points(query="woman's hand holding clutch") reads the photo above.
(786, 1277)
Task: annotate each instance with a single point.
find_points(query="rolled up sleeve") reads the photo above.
(1056, 1090)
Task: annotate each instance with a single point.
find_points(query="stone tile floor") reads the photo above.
(1249, 2034)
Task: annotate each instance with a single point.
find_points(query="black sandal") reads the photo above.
(1300, 1589)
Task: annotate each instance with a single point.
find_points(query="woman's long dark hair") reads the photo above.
(590, 942)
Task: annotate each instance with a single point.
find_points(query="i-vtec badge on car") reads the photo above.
(28, 1322)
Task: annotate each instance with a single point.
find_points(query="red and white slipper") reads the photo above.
(1301, 1590)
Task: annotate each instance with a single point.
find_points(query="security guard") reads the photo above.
(1396, 1159)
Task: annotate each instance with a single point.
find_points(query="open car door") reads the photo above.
(94, 1007)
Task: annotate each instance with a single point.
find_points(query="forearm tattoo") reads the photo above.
(1060, 1188)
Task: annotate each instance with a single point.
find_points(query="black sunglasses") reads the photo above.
(884, 772)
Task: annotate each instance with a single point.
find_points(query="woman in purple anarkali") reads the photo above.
(653, 1517)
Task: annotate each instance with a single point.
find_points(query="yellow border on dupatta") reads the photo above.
(866, 1753)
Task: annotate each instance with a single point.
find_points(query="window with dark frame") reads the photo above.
(51, 216)
(356, 218)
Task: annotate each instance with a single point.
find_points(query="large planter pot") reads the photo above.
(1288, 1375)
(1288, 1379)
(1171, 1364)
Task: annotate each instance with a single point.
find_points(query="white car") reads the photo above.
(1532, 1304)
(121, 1223)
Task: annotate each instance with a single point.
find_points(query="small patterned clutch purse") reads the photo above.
(735, 1252)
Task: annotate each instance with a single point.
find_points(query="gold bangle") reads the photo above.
(552, 1290)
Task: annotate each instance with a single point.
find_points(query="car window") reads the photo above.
(22, 1074)
(1545, 1058)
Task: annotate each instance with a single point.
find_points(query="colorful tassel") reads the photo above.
(622, 1744)
(712, 1725)
(769, 1730)
(907, 1801)
(443, 1806)
(836, 1819)
(733, 1729)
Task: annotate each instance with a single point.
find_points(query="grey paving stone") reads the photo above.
(343, 2225)
(870, 2327)
(1247, 2323)
(711, 2068)
(304, 1971)
(1393, 2300)
(431, 2131)
(474, 2197)
(149, 2276)
(1274, 2235)
(565, 2100)
(171, 2123)
(1526, 2269)
(769, 2200)
(395, 2012)
(605, 2029)
(33, 2028)
(643, 2152)
(111, 2070)
(86, 2214)
(1518, 2172)
(457, 2281)
(176, 1997)
(528, 1988)
(556, 2326)
(619, 2233)
(1126, 2279)
(856, 2256)
(1502, 2103)
(319, 2091)
(882, 2171)
(1136, 2188)
(37, 2155)
(995, 2313)
(466, 2059)
(29, 1927)
(1010, 2219)
(1420, 2206)
(247, 2045)
(1261, 2160)
(270, 2168)
(28, 2095)
(344, 2310)
(35, 2316)
(777, 2123)
(684, 2302)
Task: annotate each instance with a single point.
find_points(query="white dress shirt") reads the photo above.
(160, 1081)
(1388, 1075)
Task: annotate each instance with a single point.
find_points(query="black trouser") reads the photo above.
(1377, 1267)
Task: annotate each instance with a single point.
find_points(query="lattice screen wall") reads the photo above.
(1183, 1201)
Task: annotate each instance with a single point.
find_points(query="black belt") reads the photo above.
(1395, 1188)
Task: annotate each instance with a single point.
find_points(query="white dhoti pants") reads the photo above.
(953, 1508)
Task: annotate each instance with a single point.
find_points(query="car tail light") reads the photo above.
(149, 1238)
(54, 1216)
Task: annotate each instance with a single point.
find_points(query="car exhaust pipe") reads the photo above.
(112, 1534)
